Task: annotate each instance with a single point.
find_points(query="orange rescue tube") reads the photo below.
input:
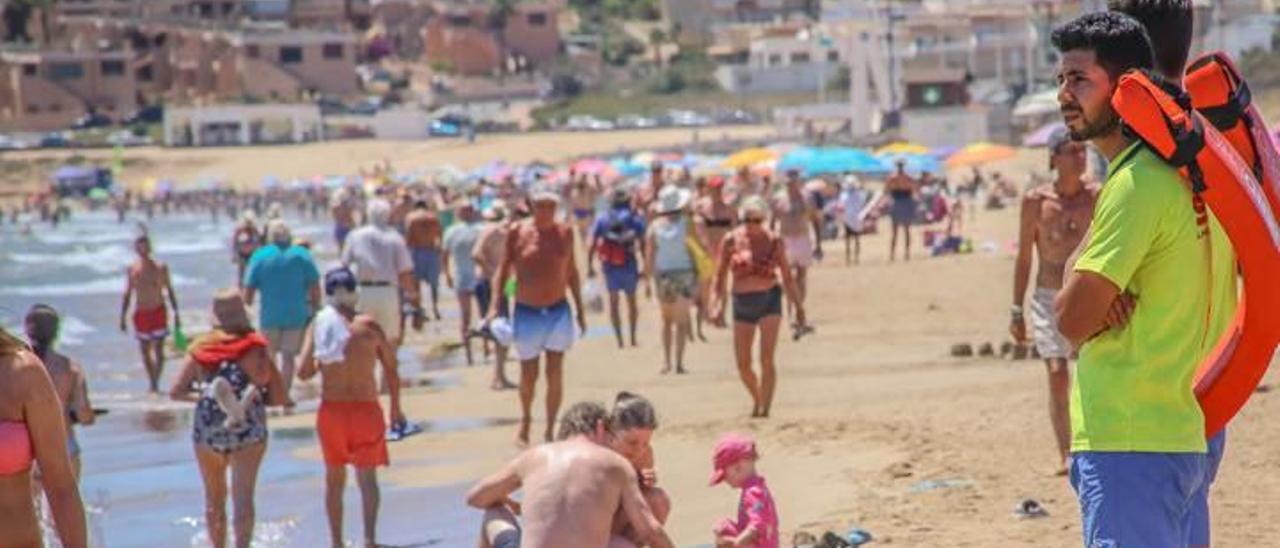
(1161, 116)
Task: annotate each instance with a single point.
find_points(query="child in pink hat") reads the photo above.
(757, 523)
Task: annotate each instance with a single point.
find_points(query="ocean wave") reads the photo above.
(100, 286)
(104, 259)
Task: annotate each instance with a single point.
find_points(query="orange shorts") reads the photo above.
(352, 433)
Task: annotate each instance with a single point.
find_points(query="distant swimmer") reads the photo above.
(148, 283)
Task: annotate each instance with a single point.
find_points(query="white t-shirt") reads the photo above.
(853, 200)
(377, 254)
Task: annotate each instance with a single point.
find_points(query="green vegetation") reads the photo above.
(648, 10)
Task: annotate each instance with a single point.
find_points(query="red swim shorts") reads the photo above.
(151, 324)
(352, 433)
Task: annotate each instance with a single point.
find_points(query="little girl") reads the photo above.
(757, 523)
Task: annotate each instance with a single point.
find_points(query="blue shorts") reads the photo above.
(542, 329)
(621, 278)
(1136, 499)
(426, 266)
(1200, 504)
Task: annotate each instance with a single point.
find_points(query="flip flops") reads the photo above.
(800, 331)
(403, 430)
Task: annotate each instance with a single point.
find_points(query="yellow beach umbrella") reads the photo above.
(902, 147)
(748, 158)
(980, 153)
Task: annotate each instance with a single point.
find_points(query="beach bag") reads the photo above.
(1161, 115)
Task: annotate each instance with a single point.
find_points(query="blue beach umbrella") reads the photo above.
(813, 161)
(915, 163)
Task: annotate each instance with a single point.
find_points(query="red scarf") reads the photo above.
(217, 347)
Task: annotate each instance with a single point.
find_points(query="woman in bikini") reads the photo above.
(33, 432)
(758, 262)
(236, 381)
(713, 219)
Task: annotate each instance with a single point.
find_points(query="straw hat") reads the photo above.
(673, 199)
(229, 312)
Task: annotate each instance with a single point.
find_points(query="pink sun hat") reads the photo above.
(730, 450)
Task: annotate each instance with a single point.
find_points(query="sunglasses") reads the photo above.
(753, 220)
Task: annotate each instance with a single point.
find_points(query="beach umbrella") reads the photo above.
(749, 157)
(980, 153)
(902, 147)
(828, 160)
(629, 168)
(592, 166)
(1040, 137)
(943, 152)
(915, 163)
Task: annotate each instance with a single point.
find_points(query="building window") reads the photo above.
(775, 59)
(333, 51)
(290, 54)
(66, 71)
(537, 19)
(833, 56)
(55, 107)
(30, 70)
(251, 51)
(144, 73)
(459, 21)
(33, 109)
(799, 57)
(113, 68)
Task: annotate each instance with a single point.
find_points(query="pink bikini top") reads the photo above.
(15, 448)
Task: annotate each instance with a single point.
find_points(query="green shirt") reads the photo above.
(1133, 386)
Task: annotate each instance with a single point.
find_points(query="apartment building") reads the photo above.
(49, 90)
(461, 36)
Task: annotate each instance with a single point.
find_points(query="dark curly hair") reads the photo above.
(632, 411)
(1169, 23)
(1119, 41)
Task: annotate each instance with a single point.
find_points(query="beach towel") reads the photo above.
(331, 335)
(218, 347)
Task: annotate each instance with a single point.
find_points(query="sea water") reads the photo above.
(140, 482)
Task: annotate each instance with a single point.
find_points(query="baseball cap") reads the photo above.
(339, 277)
(715, 182)
(730, 450)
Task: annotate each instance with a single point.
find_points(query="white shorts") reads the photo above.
(799, 250)
(538, 330)
(383, 303)
(284, 341)
(1044, 326)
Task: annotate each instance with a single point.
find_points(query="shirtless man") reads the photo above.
(344, 216)
(1055, 218)
(539, 252)
(149, 280)
(582, 200)
(42, 324)
(646, 195)
(794, 216)
(344, 348)
(487, 255)
(572, 489)
(423, 233)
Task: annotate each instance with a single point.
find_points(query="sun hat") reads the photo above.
(229, 312)
(730, 450)
(672, 199)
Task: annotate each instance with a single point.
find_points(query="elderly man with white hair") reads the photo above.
(384, 270)
(288, 279)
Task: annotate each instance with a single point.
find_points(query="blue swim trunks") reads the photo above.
(426, 266)
(1200, 532)
(542, 329)
(1136, 499)
(623, 278)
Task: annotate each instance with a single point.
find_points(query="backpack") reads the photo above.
(618, 240)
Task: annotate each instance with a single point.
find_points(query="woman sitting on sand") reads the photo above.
(633, 421)
(32, 433)
(237, 380)
(757, 260)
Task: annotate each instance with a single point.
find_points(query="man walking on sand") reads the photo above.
(616, 238)
(488, 252)
(423, 233)
(1135, 309)
(287, 277)
(572, 489)
(384, 269)
(459, 270)
(344, 348)
(539, 252)
(794, 217)
(146, 285)
(1055, 218)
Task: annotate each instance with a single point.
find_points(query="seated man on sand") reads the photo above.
(571, 490)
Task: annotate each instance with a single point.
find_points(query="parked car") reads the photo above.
(91, 120)
(13, 143)
(366, 107)
(54, 140)
(583, 122)
(738, 116)
(127, 138)
(689, 118)
(447, 126)
(632, 121)
(151, 114)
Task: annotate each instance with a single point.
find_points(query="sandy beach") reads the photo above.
(875, 425)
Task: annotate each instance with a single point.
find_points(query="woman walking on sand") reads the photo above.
(237, 381)
(668, 260)
(758, 263)
(32, 433)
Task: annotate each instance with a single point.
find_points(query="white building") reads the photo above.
(231, 125)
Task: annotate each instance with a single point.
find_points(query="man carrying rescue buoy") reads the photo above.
(1138, 447)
